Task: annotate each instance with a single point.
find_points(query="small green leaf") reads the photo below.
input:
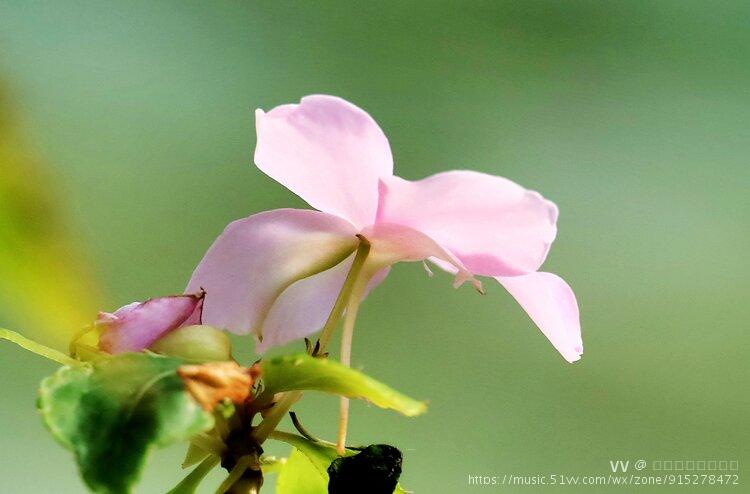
(194, 455)
(302, 372)
(319, 454)
(111, 411)
(299, 476)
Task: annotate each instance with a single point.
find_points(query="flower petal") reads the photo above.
(494, 226)
(255, 259)
(303, 308)
(136, 326)
(329, 152)
(392, 243)
(551, 304)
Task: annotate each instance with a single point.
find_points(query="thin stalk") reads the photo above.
(235, 483)
(345, 294)
(274, 416)
(38, 348)
(346, 357)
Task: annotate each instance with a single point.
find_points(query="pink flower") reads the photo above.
(277, 274)
(135, 327)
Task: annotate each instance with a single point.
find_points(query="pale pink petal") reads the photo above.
(392, 243)
(136, 326)
(551, 304)
(494, 226)
(303, 308)
(255, 259)
(329, 152)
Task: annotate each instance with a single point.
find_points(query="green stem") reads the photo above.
(345, 294)
(346, 357)
(274, 416)
(37, 348)
(234, 476)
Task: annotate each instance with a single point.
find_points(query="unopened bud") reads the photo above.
(195, 344)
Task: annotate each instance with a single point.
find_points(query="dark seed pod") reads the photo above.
(375, 470)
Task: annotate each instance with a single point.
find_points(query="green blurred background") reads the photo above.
(128, 133)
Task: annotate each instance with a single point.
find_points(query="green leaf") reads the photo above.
(111, 411)
(318, 455)
(302, 372)
(194, 455)
(300, 476)
(272, 464)
(34, 347)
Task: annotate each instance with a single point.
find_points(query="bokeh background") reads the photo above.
(126, 139)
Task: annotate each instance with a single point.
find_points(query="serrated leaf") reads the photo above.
(302, 372)
(112, 411)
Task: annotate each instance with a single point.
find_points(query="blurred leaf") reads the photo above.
(110, 412)
(300, 476)
(43, 282)
(34, 347)
(272, 464)
(302, 372)
(194, 455)
(190, 483)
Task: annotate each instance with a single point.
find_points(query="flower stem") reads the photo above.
(269, 423)
(274, 416)
(345, 294)
(346, 357)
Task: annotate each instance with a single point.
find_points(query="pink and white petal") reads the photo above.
(392, 243)
(494, 226)
(303, 308)
(136, 326)
(552, 305)
(255, 259)
(327, 151)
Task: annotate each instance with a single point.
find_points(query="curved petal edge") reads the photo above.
(327, 151)
(551, 304)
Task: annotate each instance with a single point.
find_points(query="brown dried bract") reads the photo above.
(211, 383)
